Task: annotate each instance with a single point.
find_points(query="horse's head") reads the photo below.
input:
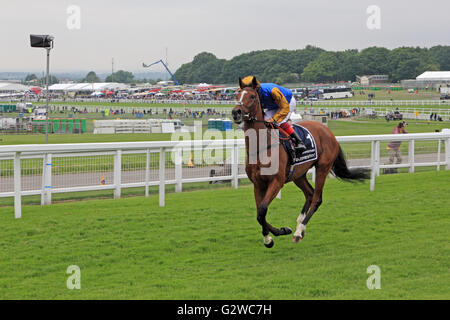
(248, 107)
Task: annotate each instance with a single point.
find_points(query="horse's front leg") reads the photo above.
(261, 213)
(263, 198)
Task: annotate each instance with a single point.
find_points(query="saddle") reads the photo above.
(310, 154)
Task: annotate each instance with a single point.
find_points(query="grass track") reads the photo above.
(208, 245)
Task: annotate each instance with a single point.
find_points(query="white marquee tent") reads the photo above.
(9, 87)
(90, 87)
(434, 76)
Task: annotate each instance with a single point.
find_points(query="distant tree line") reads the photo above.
(32, 79)
(313, 64)
(120, 76)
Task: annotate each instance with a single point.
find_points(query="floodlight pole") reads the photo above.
(47, 97)
(44, 41)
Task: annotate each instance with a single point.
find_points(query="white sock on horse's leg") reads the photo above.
(300, 218)
(267, 239)
(300, 231)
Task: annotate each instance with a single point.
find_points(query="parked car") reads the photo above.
(370, 113)
(396, 115)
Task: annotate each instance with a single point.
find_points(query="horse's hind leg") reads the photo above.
(321, 175)
(308, 191)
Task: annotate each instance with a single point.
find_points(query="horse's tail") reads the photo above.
(342, 172)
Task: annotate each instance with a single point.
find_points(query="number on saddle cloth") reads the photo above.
(310, 154)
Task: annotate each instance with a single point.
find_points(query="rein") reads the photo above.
(274, 126)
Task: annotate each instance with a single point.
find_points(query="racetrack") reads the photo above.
(208, 245)
(66, 180)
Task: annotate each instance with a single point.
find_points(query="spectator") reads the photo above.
(394, 146)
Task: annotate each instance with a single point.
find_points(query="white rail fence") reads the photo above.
(379, 102)
(335, 102)
(58, 168)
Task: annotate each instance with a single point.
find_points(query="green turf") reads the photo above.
(208, 245)
(396, 95)
(365, 127)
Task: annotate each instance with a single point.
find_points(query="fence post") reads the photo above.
(411, 156)
(438, 167)
(374, 165)
(162, 176)
(235, 165)
(378, 157)
(43, 184)
(447, 154)
(46, 196)
(117, 173)
(17, 187)
(147, 172)
(178, 170)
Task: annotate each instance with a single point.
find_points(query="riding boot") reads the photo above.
(298, 143)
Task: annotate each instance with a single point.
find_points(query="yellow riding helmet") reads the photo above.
(248, 80)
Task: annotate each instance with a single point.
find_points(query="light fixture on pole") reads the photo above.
(46, 42)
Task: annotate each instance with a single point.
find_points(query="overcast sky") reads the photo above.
(136, 31)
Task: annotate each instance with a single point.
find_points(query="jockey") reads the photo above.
(278, 105)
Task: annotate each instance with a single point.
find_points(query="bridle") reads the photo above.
(246, 117)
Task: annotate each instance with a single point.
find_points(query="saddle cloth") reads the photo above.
(310, 154)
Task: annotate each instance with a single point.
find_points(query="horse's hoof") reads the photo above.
(270, 244)
(285, 231)
(296, 239)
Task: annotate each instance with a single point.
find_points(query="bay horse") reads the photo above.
(330, 158)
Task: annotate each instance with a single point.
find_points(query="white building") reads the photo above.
(367, 80)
